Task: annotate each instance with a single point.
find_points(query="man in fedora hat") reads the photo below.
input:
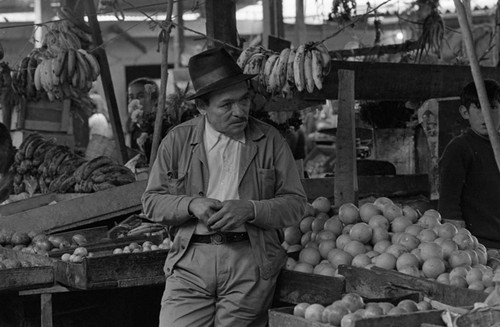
(225, 184)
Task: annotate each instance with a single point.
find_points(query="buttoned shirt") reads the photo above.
(223, 158)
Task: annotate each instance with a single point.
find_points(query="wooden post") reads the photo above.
(179, 35)
(165, 39)
(107, 81)
(221, 22)
(478, 80)
(46, 310)
(43, 13)
(272, 20)
(346, 181)
(300, 26)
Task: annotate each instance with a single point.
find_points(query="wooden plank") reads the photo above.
(398, 81)
(36, 125)
(388, 281)
(94, 207)
(480, 317)
(36, 201)
(221, 22)
(346, 183)
(296, 287)
(377, 50)
(46, 310)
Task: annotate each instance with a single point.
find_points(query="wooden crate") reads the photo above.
(479, 317)
(389, 283)
(295, 287)
(107, 270)
(43, 116)
(17, 279)
(283, 317)
(36, 201)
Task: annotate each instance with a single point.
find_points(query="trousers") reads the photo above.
(216, 285)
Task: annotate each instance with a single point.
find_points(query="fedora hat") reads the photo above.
(214, 69)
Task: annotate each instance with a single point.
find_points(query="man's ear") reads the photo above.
(464, 112)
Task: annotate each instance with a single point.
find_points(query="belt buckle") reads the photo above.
(218, 238)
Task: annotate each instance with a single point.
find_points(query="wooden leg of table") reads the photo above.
(46, 310)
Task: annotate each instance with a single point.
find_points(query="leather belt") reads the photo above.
(219, 238)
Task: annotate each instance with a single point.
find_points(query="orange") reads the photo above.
(368, 210)
(300, 309)
(396, 250)
(411, 213)
(373, 310)
(379, 234)
(309, 210)
(349, 213)
(334, 225)
(342, 240)
(385, 260)
(328, 271)
(407, 259)
(473, 256)
(399, 224)
(395, 237)
(310, 255)
(448, 247)
(349, 320)
(430, 250)
(314, 312)
(433, 267)
(380, 202)
(304, 267)
(361, 260)
(428, 221)
(433, 213)
(463, 240)
(354, 248)
(306, 238)
(305, 224)
(447, 230)
(474, 275)
(381, 246)
(372, 253)
(325, 235)
(318, 223)
(391, 211)
(353, 301)
(427, 235)
(290, 263)
(476, 285)
(294, 248)
(361, 232)
(312, 244)
(321, 266)
(459, 271)
(386, 306)
(459, 258)
(321, 204)
(409, 241)
(424, 305)
(347, 229)
(409, 270)
(292, 235)
(458, 281)
(379, 221)
(408, 305)
(396, 311)
(413, 229)
(339, 257)
(444, 278)
(325, 247)
(335, 314)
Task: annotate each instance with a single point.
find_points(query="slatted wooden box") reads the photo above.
(17, 279)
(43, 116)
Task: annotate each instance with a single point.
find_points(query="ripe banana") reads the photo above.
(37, 78)
(71, 62)
(246, 54)
(317, 68)
(84, 68)
(59, 61)
(282, 68)
(93, 63)
(326, 58)
(289, 66)
(298, 68)
(308, 72)
(53, 76)
(254, 64)
(268, 68)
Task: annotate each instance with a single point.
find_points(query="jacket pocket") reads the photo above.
(176, 186)
(267, 179)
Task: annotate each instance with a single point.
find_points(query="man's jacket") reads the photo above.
(267, 174)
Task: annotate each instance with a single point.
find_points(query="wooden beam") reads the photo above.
(221, 22)
(272, 20)
(346, 182)
(397, 81)
(107, 82)
(43, 13)
(300, 25)
(376, 50)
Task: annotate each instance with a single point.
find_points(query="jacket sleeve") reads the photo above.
(160, 202)
(452, 172)
(289, 202)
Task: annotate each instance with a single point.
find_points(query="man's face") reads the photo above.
(476, 120)
(228, 109)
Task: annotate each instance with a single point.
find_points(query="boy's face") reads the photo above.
(476, 120)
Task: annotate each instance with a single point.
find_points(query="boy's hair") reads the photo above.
(469, 93)
(146, 80)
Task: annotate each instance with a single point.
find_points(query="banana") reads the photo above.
(37, 79)
(283, 66)
(268, 67)
(54, 78)
(254, 64)
(93, 63)
(45, 75)
(84, 69)
(58, 63)
(63, 75)
(298, 68)
(246, 54)
(289, 66)
(71, 62)
(317, 68)
(308, 74)
(261, 80)
(273, 81)
(326, 58)
(75, 78)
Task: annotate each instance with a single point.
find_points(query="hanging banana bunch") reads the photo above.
(280, 74)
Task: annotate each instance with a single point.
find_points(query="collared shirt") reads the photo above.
(223, 156)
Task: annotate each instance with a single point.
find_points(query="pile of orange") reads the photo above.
(389, 236)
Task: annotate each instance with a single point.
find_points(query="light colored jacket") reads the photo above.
(267, 174)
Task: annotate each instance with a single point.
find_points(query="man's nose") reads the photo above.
(239, 110)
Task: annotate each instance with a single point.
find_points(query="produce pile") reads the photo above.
(387, 235)
(11, 263)
(63, 67)
(42, 166)
(292, 69)
(351, 307)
